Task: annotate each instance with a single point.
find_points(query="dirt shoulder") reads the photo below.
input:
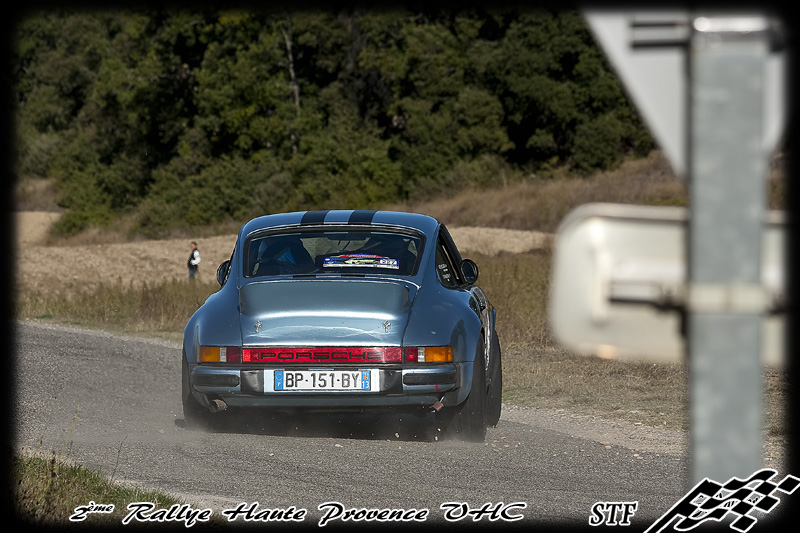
(638, 438)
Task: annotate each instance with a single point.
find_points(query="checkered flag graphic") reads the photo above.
(709, 500)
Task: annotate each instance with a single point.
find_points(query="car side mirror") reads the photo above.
(222, 272)
(469, 270)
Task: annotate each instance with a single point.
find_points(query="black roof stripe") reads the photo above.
(361, 217)
(313, 217)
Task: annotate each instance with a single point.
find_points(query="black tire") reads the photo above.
(467, 421)
(195, 415)
(495, 396)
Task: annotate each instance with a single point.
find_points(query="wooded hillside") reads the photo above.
(181, 118)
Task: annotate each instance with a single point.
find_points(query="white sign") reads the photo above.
(619, 278)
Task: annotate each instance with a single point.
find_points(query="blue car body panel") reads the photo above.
(343, 312)
(383, 309)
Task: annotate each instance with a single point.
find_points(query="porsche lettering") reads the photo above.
(266, 355)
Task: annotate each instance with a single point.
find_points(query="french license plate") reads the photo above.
(323, 380)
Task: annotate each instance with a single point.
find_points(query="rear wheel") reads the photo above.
(195, 415)
(467, 421)
(495, 397)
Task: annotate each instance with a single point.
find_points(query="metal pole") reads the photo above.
(727, 170)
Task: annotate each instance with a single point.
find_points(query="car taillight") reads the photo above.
(220, 354)
(428, 354)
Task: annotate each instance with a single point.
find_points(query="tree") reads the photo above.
(242, 112)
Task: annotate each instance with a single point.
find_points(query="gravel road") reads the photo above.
(123, 393)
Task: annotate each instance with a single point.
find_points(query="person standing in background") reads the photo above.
(194, 260)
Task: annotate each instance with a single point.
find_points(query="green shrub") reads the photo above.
(597, 144)
(37, 154)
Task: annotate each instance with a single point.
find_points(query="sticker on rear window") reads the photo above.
(361, 260)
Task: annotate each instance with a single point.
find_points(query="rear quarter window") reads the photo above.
(445, 269)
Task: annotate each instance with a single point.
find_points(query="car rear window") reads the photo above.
(332, 251)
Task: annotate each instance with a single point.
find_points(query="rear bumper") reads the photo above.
(396, 386)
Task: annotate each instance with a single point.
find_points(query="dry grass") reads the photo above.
(541, 202)
(553, 378)
(518, 286)
(36, 194)
(161, 308)
(540, 373)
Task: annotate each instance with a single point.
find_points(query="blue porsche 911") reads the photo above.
(346, 311)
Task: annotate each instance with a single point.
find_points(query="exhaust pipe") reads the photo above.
(217, 405)
(437, 406)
